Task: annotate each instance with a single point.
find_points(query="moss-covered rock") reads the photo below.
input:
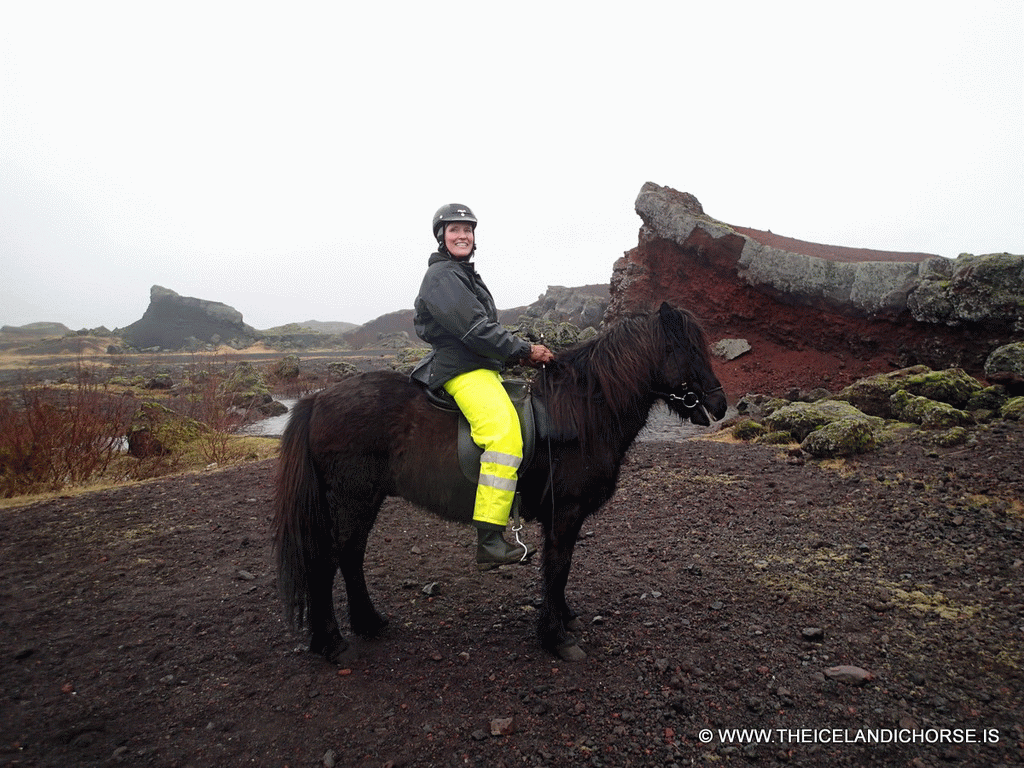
(845, 437)
(161, 380)
(949, 438)
(988, 399)
(156, 430)
(406, 359)
(286, 369)
(339, 369)
(1006, 366)
(246, 387)
(555, 336)
(748, 429)
(1013, 409)
(930, 414)
(953, 386)
(800, 419)
(873, 395)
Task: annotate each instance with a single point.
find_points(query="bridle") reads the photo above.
(689, 400)
(693, 396)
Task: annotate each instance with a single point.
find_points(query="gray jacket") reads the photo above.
(456, 315)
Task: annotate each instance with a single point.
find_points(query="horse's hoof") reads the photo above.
(373, 627)
(570, 651)
(574, 624)
(331, 650)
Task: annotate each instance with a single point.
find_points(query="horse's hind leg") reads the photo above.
(325, 635)
(352, 515)
(365, 619)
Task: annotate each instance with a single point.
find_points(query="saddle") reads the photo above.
(533, 422)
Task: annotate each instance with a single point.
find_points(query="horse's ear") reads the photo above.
(668, 315)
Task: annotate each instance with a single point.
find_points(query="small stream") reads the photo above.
(274, 426)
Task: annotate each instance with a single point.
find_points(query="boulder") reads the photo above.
(986, 289)
(930, 414)
(245, 387)
(873, 394)
(1013, 410)
(287, 368)
(156, 430)
(159, 381)
(800, 419)
(730, 349)
(748, 429)
(844, 437)
(1006, 366)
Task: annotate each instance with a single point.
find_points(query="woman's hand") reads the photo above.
(539, 354)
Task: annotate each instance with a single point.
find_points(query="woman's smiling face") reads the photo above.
(458, 239)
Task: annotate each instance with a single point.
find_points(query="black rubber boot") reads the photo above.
(492, 550)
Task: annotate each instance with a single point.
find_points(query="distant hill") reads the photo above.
(368, 334)
(36, 330)
(337, 327)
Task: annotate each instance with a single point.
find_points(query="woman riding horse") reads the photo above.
(457, 316)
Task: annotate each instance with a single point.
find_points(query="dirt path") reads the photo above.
(140, 626)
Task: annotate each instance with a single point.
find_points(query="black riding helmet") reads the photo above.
(447, 214)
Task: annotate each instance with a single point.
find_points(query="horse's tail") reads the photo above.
(302, 528)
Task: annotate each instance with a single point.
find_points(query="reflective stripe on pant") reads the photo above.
(494, 424)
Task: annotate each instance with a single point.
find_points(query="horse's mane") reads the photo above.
(590, 386)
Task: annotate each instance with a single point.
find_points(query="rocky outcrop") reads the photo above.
(815, 315)
(175, 322)
(972, 290)
(583, 307)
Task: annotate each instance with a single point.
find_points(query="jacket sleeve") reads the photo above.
(456, 308)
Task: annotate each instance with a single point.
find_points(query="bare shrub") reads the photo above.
(51, 437)
(206, 399)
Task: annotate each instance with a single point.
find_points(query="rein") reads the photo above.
(551, 461)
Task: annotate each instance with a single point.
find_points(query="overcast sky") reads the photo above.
(286, 158)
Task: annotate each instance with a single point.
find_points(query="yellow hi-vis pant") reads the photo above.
(494, 425)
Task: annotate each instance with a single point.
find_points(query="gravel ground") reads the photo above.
(830, 606)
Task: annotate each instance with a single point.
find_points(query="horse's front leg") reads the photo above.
(560, 536)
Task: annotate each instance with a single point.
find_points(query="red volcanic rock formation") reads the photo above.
(815, 315)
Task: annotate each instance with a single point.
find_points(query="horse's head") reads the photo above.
(691, 389)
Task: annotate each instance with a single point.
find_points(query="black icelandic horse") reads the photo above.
(375, 435)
